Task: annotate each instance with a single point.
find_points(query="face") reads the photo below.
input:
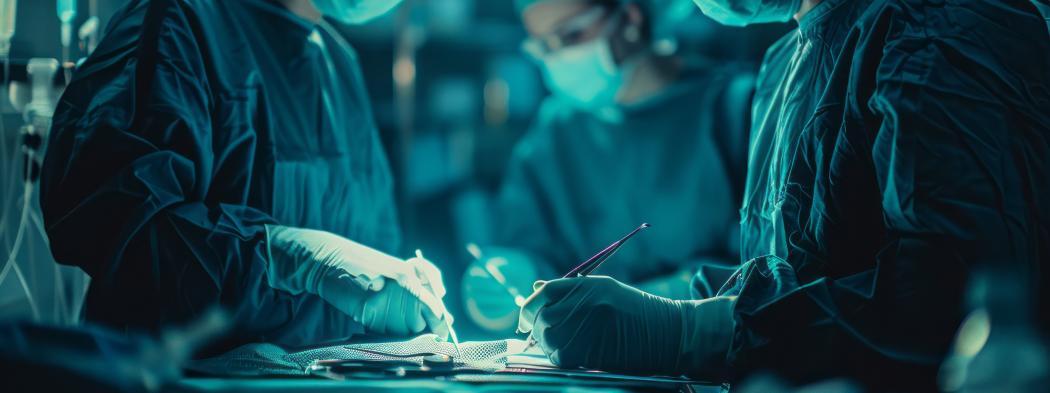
(558, 22)
(582, 47)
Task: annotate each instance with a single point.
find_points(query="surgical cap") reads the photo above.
(665, 15)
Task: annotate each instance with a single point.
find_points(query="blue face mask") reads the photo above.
(355, 11)
(746, 12)
(587, 74)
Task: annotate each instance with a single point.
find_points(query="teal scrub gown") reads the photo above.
(193, 125)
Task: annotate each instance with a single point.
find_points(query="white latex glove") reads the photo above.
(495, 286)
(387, 295)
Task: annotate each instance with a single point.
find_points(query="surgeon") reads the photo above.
(631, 133)
(896, 146)
(223, 153)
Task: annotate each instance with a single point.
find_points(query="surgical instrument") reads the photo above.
(584, 269)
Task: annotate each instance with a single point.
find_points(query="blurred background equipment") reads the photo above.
(32, 39)
(999, 347)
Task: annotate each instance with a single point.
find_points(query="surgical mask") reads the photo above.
(355, 11)
(746, 12)
(587, 74)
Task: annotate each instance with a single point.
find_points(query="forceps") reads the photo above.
(585, 269)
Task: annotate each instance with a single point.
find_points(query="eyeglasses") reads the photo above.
(575, 31)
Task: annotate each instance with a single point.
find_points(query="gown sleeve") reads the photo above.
(956, 154)
(147, 193)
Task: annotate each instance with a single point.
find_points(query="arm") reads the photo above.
(140, 191)
(951, 198)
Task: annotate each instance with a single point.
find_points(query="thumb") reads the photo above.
(429, 274)
(532, 306)
(432, 309)
(437, 324)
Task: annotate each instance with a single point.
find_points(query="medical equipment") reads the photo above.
(41, 75)
(8, 11)
(37, 116)
(93, 33)
(67, 11)
(583, 269)
(425, 350)
(87, 34)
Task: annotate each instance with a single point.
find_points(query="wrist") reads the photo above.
(707, 334)
(662, 327)
(282, 260)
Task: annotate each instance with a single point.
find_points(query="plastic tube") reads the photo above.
(37, 114)
(12, 264)
(8, 11)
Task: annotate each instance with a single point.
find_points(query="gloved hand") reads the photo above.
(495, 284)
(387, 295)
(673, 286)
(599, 323)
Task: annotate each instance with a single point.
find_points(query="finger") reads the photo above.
(537, 295)
(557, 290)
(434, 323)
(374, 310)
(432, 313)
(559, 324)
(430, 275)
(414, 286)
(548, 293)
(553, 354)
(414, 314)
(538, 284)
(531, 306)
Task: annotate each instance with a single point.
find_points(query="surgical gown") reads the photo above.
(896, 146)
(579, 181)
(191, 126)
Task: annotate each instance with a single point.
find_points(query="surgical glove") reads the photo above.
(674, 286)
(599, 323)
(389, 296)
(495, 286)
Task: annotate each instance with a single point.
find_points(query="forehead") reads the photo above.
(544, 17)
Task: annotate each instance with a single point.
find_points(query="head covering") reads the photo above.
(521, 5)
